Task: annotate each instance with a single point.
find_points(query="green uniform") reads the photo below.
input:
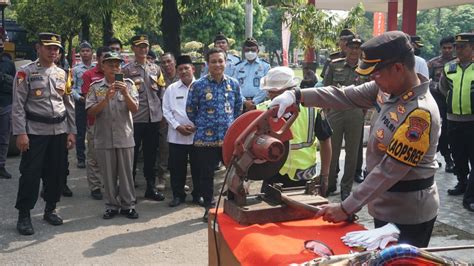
(346, 124)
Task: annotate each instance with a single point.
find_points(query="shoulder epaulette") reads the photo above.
(129, 80)
(237, 56)
(95, 82)
(239, 62)
(27, 65)
(264, 60)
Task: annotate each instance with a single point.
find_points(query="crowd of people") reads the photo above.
(114, 112)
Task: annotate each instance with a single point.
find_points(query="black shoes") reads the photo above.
(176, 202)
(130, 213)
(459, 189)
(468, 206)
(359, 178)
(24, 225)
(109, 214)
(67, 192)
(81, 164)
(4, 174)
(154, 195)
(205, 218)
(96, 194)
(52, 218)
(449, 168)
(199, 201)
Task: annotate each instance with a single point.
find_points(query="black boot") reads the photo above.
(24, 225)
(50, 215)
(4, 174)
(449, 167)
(459, 189)
(152, 193)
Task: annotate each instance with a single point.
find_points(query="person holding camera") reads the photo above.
(113, 100)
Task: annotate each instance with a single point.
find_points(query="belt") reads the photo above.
(412, 185)
(46, 120)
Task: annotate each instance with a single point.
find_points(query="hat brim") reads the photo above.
(294, 82)
(140, 42)
(112, 58)
(366, 69)
(46, 43)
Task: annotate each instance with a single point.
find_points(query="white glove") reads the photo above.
(372, 239)
(283, 101)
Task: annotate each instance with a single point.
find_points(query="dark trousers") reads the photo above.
(146, 136)
(360, 155)
(462, 146)
(5, 131)
(207, 158)
(45, 159)
(417, 235)
(443, 143)
(81, 125)
(179, 155)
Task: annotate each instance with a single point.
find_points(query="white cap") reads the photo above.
(279, 78)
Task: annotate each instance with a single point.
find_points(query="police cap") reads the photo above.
(108, 56)
(249, 42)
(464, 37)
(220, 36)
(139, 39)
(417, 40)
(47, 39)
(382, 50)
(355, 40)
(346, 32)
(183, 59)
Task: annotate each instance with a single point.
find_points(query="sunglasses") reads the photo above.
(318, 247)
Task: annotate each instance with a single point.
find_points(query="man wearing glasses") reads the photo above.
(456, 84)
(401, 151)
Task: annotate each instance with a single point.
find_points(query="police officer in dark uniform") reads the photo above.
(44, 123)
(456, 84)
(436, 67)
(7, 73)
(344, 36)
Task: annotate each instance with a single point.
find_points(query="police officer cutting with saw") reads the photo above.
(401, 152)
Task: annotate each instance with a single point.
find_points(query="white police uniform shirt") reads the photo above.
(249, 75)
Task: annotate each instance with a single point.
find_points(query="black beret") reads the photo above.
(183, 59)
(249, 42)
(346, 32)
(47, 39)
(382, 50)
(85, 44)
(139, 39)
(220, 36)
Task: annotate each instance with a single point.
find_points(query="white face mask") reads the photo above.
(250, 56)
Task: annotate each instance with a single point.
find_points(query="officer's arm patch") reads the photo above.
(20, 77)
(411, 140)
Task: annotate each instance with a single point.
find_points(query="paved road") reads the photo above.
(162, 235)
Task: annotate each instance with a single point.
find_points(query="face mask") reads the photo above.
(417, 51)
(250, 56)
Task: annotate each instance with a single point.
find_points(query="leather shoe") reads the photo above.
(96, 194)
(457, 190)
(109, 214)
(468, 206)
(52, 218)
(24, 225)
(205, 218)
(66, 191)
(359, 178)
(81, 164)
(176, 202)
(449, 168)
(154, 195)
(130, 213)
(199, 201)
(4, 174)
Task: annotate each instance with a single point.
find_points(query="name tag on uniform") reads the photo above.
(36, 78)
(179, 97)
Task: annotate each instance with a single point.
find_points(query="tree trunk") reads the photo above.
(70, 53)
(171, 27)
(278, 57)
(107, 27)
(85, 28)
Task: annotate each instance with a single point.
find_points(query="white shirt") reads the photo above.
(174, 110)
(421, 67)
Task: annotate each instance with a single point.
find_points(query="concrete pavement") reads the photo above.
(162, 235)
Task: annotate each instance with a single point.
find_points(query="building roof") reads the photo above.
(382, 5)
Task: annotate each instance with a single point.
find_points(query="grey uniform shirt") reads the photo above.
(149, 83)
(402, 146)
(114, 125)
(41, 91)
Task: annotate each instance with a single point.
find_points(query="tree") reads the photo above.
(171, 27)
